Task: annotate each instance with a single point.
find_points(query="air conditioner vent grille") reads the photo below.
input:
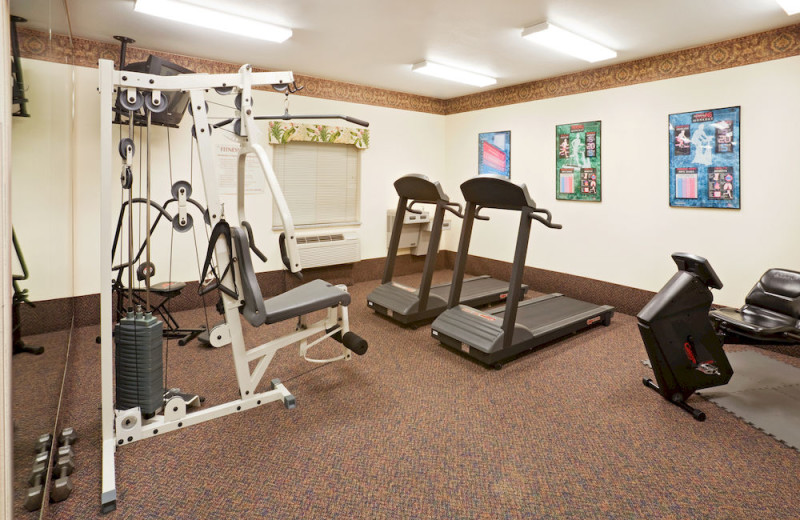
(329, 249)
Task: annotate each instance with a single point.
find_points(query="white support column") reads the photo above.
(108, 496)
(211, 185)
(6, 347)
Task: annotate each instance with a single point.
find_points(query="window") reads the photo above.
(320, 182)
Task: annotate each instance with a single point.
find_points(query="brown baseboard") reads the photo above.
(57, 314)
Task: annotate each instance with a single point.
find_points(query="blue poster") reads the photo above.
(704, 158)
(494, 153)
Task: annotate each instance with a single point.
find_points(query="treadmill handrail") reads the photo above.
(546, 221)
(478, 216)
(412, 210)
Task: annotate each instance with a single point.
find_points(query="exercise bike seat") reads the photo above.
(771, 309)
(309, 297)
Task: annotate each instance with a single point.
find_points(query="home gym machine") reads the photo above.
(496, 335)
(406, 305)
(685, 351)
(228, 259)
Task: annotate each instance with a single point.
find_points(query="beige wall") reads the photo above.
(627, 239)
(60, 209)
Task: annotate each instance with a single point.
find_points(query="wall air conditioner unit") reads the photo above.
(321, 249)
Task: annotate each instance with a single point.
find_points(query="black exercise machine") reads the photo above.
(496, 335)
(684, 349)
(128, 297)
(18, 85)
(770, 314)
(20, 296)
(405, 305)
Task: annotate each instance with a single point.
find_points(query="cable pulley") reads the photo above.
(125, 144)
(181, 188)
(237, 101)
(194, 132)
(145, 270)
(191, 112)
(155, 103)
(126, 178)
(130, 99)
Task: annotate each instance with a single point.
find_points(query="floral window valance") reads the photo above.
(282, 132)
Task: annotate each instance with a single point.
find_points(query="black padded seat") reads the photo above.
(755, 321)
(309, 297)
(771, 309)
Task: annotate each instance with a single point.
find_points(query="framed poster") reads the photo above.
(494, 153)
(704, 159)
(578, 161)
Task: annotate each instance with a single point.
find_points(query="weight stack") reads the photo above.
(139, 366)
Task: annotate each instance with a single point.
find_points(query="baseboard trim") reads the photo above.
(56, 314)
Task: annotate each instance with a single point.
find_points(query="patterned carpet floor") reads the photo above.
(414, 430)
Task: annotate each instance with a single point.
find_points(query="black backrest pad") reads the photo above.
(253, 309)
(495, 191)
(779, 291)
(416, 186)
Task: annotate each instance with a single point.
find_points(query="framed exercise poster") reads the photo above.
(494, 153)
(578, 161)
(704, 158)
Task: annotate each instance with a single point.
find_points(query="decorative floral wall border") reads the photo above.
(755, 48)
(85, 53)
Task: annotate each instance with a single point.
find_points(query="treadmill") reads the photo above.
(407, 305)
(497, 335)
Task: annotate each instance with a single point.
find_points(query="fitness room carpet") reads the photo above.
(414, 430)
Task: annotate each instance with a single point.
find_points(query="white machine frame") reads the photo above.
(124, 427)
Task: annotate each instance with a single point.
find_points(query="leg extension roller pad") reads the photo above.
(355, 343)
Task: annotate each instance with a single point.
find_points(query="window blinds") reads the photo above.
(320, 182)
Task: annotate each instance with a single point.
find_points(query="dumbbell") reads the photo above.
(33, 499)
(64, 466)
(65, 441)
(62, 485)
(43, 445)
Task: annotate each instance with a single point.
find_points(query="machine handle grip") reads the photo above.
(359, 122)
(285, 256)
(258, 253)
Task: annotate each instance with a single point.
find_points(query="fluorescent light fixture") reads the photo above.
(444, 72)
(560, 40)
(790, 6)
(213, 19)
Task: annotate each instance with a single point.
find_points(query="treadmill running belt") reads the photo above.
(551, 312)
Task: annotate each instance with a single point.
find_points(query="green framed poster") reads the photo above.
(578, 161)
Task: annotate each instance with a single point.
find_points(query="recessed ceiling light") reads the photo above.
(560, 40)
(437, 70)
(213, 19)
(790, 6)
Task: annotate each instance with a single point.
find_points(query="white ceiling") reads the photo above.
(375, 42)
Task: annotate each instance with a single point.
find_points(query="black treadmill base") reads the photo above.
(496, 360)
